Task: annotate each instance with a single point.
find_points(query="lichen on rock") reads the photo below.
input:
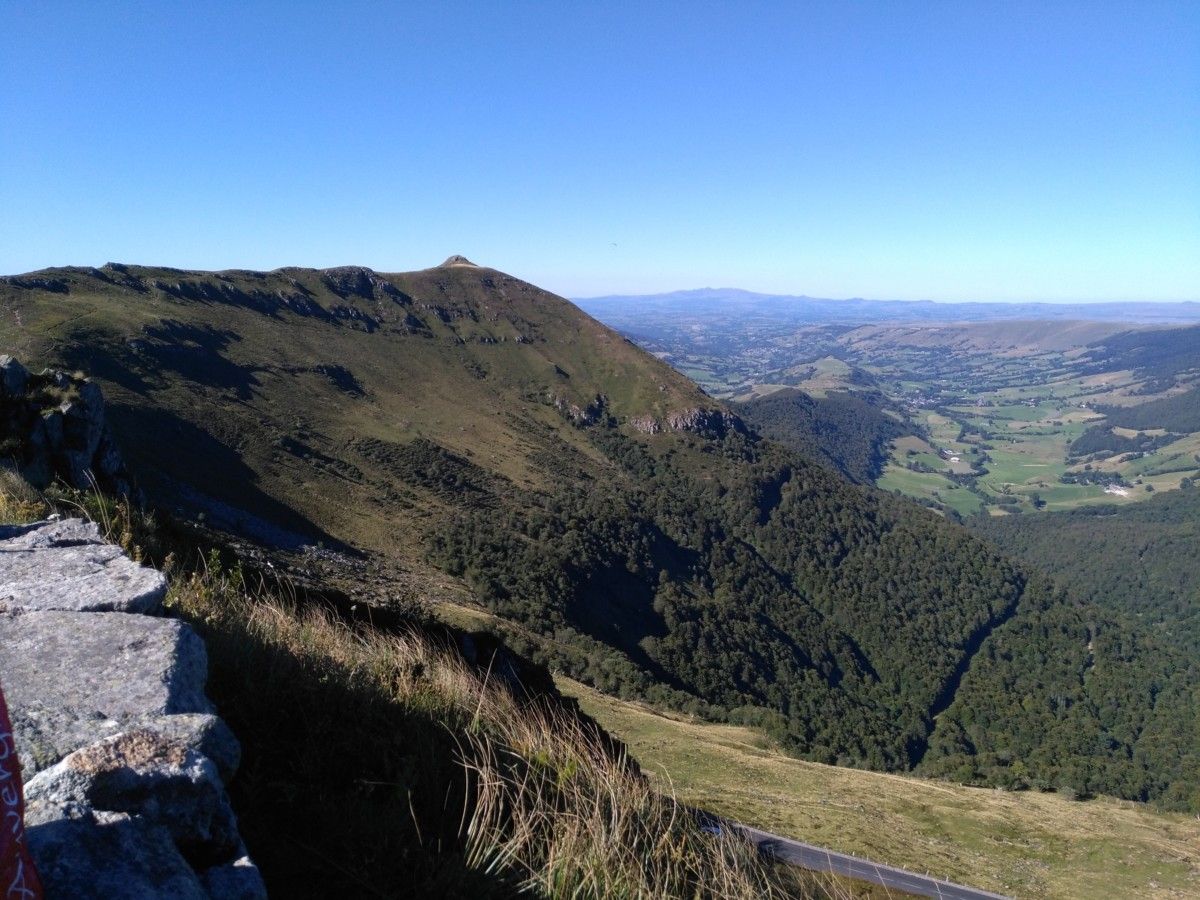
(125, 763)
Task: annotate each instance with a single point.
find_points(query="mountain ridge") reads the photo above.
(458, 432)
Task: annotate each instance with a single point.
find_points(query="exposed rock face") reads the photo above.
(54, 425)
(356, 281)
(714, 423)
(142, 773)
(646, 424)
(709, 422)
(115, 664)
(112, 856)
(46, 734)
(595, 411)
(125, 764)
(67, 565)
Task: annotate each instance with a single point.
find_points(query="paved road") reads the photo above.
(822, 860)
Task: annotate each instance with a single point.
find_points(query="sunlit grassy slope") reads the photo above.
(1027, 844)
(279, 402)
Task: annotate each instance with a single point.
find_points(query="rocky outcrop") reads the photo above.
(714, 423)
(125, 763)
(709, 422)
(357, 281)
(66, 564)
(53, 425)
(646, 424)
(595, 411)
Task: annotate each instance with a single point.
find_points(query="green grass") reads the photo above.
(929, 486)
(216, 395)
(1026, 844)
(1029, 450)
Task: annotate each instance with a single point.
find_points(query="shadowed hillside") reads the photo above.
(464, 434)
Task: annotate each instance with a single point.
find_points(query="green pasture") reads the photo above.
(929, 486)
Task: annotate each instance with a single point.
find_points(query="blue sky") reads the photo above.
(943, 150)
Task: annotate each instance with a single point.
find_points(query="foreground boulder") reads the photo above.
(66, 565)
(110, 663)
(111, 856)
(125, 762)
(142, 773)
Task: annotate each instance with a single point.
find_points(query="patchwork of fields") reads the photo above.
(999, 407)
(1010, 450)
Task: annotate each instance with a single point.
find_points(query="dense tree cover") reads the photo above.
(1103, 440)
(1155, 353)
(1178, 414)
(1095, 687)
(850, 432)
(732, 578)
(1080, 699)
(1141, 558)
(737, 573)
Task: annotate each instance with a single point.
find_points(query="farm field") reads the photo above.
(930, 486)
(1016, 433)
(1009, 415)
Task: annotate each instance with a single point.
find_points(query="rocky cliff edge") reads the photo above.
(125, 763)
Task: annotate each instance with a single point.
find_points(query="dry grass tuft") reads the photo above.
(19, 502)
(386, 765)
(546, 807)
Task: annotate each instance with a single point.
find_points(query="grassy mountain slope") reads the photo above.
(1025, 844)
(461, 427)
(447, 778)
(290, 395)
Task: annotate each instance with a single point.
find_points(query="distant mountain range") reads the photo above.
(620, 310)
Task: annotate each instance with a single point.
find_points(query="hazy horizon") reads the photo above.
(998, 151)
(850, 299)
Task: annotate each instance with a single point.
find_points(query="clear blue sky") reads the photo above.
(949, 150)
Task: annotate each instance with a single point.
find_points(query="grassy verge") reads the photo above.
(384, 765)
(1025, 844)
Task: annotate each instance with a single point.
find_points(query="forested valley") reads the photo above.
(465, 430)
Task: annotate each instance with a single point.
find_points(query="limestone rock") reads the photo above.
(142, 773)
(646, 424)
(83, 428)
(56, 427)
(45, 734)
(116, 857)
(710, 422)
(238, 880)
(125, 764)
(109, 663)
(13, 376)
(66, 565)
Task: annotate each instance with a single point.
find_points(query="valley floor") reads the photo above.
(1026, 844)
